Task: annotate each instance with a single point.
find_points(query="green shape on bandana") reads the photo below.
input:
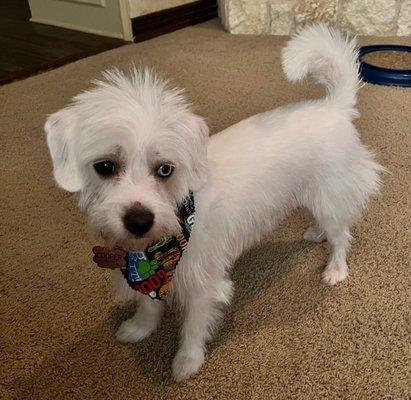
(147, 268)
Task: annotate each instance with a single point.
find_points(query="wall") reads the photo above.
(281, 17)
(142, 7)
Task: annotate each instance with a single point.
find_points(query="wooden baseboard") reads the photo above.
(166, 21)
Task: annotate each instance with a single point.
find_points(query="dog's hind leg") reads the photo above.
(333, 222)
(339, 238)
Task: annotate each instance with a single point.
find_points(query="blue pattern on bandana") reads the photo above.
(133, 260)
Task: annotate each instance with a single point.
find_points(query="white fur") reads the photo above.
(307, 154)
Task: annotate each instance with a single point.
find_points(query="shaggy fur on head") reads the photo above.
(307, 154)
(138, 122)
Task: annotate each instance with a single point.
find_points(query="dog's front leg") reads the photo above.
(201, 312)
(144, 321)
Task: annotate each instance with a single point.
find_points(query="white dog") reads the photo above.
(132, 145)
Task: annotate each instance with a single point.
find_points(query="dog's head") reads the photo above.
(131, 149)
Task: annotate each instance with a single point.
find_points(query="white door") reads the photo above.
(102, 17)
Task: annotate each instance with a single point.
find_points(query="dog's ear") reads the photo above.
(59, 129)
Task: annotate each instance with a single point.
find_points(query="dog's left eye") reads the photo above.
(105, 168)
(165, 170)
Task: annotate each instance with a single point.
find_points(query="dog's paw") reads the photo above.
(131, 331)
(187, 363)
(314, 234)
(334, 274)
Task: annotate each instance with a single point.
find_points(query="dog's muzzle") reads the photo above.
(150, 271)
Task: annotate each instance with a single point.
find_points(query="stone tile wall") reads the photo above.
(282, 17)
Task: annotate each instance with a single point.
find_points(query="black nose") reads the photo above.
(138, 219)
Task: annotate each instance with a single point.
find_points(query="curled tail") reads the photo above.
(330, 58)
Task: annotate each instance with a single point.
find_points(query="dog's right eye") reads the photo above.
(105, 168)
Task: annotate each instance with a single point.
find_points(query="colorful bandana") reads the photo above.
(150, 271)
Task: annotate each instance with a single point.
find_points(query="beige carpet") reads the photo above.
(286, 336)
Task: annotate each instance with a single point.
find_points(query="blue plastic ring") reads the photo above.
(384, 76)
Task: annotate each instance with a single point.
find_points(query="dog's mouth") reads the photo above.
(128, 242)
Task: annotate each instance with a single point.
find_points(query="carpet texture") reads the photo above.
(286, 334)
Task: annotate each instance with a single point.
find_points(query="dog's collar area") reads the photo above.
(150, 271)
